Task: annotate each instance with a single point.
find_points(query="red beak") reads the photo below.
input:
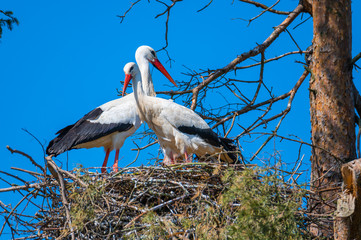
(160, 67)
(128, 77)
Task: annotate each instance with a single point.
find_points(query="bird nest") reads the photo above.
(128, 204)
(145, 202)
(198, 200)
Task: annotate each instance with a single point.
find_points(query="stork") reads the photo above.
(111, 123)
(180, 131)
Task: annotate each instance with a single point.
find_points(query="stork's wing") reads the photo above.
(189, 122)
(115, 116)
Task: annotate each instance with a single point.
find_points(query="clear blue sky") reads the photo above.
(66, 58)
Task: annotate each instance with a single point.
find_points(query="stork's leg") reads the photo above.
(116, 159)
(166, 160)
(105, 160)
(187, 157)
(172, 159)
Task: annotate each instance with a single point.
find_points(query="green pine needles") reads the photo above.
(267, 207)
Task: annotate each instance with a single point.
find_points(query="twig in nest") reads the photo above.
(60, 179)
(155, 208)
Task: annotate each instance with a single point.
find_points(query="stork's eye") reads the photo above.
(131, 69)
(153, 53)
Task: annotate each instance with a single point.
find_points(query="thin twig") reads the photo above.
(205, 6)
(125, 13)
(25, 155)
(255, 51)
(292, 95)
(154, 208)
(63, 195)
(269, 9)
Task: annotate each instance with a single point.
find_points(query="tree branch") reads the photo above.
(269, 9)
(255, 51)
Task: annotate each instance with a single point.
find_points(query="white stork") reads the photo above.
(180, 131)
(111, 123)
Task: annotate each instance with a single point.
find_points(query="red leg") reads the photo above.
(172, 159)
(187, 157)
(168, 160)
(105, 160)
(115, 166)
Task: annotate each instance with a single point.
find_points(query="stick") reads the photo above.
(155, 208)
(25, 155)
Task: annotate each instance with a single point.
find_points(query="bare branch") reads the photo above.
(23, 187)
(12, 211)
(255, 51)
(272, 59)
(285, 112)
(205, 6)
(299, 49)
(169, 7)
(269, 9)
(356, 58)
(25, 155)
(125, 13)
(60, 180)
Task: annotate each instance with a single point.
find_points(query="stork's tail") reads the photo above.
(53, 149)
(58, 145)
(233, 154)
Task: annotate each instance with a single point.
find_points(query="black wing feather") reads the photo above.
(205, 133)
(212, 138)
(83, 131)
(229, 146)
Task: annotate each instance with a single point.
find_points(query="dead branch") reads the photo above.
(23, 187)
(255, 51)
(356, 58)
(272, 59)
(167, 11)
(35, 174)
(269, 9)
(126, 12)
(285, 112)
(205, 6)
(25, 155)
(61, 182)
(252, 107)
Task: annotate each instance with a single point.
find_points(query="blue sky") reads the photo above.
(66, 58)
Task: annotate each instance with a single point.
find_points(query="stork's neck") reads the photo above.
(139, 96)
(146, 77)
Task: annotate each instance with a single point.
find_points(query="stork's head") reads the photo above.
(148, 53)
(131, 70)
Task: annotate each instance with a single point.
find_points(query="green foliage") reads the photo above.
(159, 228)
(256, 204)
(267, 207)
(198, 202)
(85, 201)
(8, 21)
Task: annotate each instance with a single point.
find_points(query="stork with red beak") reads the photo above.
(180, 131)
(111, 123)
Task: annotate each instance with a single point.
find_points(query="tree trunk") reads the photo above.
(332, 107)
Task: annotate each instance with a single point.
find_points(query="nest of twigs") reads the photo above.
(199, 200)
(114, 205)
